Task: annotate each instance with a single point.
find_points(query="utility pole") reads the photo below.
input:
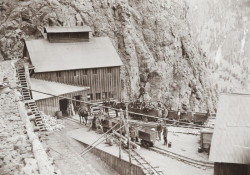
(120, 142)
(128, 134)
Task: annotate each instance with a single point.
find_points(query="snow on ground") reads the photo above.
(184, 144)
(172, 166)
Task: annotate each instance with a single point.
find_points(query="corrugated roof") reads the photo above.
(47, 57)
(231, 137)
(62, 29)
(52, 88)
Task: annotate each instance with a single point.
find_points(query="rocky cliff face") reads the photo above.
(156, 40)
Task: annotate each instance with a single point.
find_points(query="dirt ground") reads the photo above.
(66, 150)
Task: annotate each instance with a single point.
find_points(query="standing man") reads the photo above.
(71, 109)
(165, 114)
(159, 129)
(159, 108)
(141, 91)
(165, 135)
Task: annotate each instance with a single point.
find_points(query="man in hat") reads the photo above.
(159, 129)
(159, 108)
(165, 114)
(141, 91)
(132, 134)
(165, 135)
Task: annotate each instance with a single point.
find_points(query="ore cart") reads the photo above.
(147, 137)
(186, 117)
(152, 112)
(106, 124)
(200, 118)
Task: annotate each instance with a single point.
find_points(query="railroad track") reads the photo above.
(147, 168)
(145, 165)
(187, 160)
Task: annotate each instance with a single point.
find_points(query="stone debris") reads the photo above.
(15, 146)
(17, 156)
(51, 123)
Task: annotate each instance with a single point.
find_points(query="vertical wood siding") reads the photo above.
(231, 169)
(101, 82)
(50, 105)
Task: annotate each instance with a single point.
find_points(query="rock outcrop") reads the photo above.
(152, 37)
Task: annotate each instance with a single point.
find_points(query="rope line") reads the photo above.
(99, 138)
(107, 107)
(82, 154)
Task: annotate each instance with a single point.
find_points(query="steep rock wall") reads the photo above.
(152, 38)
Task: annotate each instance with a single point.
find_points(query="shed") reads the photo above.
(230, 147)
(206, 138)
(51, 104)
(94, 64)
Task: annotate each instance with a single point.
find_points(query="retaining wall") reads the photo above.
(120, 165)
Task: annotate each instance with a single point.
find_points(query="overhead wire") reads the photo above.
(82, 154)
(107, 107)
(99, 138)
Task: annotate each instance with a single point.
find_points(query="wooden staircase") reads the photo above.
(27, 96)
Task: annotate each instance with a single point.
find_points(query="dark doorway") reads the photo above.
(77, 103)
(63, 106)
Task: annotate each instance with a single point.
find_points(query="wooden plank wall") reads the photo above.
(231, 169)
(68, 37)
(50, 105)
(120, 165)
(98, 83)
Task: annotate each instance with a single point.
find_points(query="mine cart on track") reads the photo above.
(106, 124)
(147, 136)
(200, 118)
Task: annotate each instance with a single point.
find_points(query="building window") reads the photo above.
(111, 95)
(98, 96)
(58, 74)
(109, 70)
(94, 71)
(85, 72)
(90, 97)
(104, 95)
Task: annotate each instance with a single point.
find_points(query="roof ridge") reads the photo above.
(233, 93)
(61, 83)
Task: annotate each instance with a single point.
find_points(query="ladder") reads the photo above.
(22, 79)
(147, 168)
(28, 99)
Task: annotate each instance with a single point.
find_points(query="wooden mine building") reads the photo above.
(69, 55)
(230, 147)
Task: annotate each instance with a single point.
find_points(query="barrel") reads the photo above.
(59, 114)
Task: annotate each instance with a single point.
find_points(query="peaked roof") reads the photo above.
(231, 137)
(62, 29)
(48, 57)
(52, 88)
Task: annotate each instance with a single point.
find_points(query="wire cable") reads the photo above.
(82, 154)
(99, 138)
(107, 107)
